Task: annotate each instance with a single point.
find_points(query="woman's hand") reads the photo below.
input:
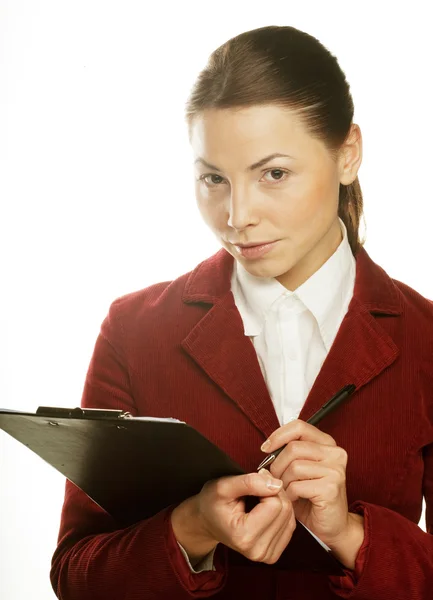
(313, 470)
(217, 514)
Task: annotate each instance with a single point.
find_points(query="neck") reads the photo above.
(312, 261)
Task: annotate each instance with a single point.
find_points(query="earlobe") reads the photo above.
(348, 177)
(345, 169)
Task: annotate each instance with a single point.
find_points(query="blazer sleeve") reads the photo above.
(397, 559)
(95, 559)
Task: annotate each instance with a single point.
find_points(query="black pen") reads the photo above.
(328, 407)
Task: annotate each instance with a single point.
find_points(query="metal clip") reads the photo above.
(126, 415)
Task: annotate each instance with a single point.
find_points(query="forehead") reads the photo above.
(252, 131)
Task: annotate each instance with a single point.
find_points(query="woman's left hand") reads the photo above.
(313, 470)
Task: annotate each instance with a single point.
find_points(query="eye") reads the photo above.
(204, 177)
(275, 170)
(211, 184)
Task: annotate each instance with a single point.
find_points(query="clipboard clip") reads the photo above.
(82, 413)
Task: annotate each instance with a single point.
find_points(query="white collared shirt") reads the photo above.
(293, 331)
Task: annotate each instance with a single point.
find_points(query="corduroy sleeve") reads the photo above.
(345, 584)
(94, 559)
(398, 561)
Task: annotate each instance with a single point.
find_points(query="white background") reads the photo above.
(97, 194)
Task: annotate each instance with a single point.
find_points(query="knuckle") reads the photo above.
(332, 490)
(251, 480)
(246, 544)
(280, 502)
(220, 486)
(257, 554)
(341, 476)
(293, 487)
(298, 426)
(338, 476)
(296, 446)
(295, 467)
(273, 502)
(287, 506)
(343, 455)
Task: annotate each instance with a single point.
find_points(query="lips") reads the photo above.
(252, 245)
(255, 251)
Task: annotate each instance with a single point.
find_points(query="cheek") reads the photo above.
(313, 201)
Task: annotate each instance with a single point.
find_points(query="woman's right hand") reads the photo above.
(217, 514)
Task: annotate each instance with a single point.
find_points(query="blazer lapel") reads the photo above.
(219, 345)
(361, 350)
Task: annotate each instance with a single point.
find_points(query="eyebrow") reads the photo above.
(252, 167)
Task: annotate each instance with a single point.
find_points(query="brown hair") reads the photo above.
(287, 67)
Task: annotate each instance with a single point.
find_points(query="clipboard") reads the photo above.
(133, 467)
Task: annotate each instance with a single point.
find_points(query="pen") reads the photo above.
(328, 407)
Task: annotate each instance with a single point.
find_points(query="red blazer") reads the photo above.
(177, 349)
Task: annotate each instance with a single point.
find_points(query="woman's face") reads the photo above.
(289, 202)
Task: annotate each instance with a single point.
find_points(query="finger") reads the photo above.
(266, 512)
(335, 461)
(300, 449)
(283, 530)
(305, 470)
(269, 536)
(255, 532)
(251, 484)
(316, 490)
(282, 541)
(297, 430)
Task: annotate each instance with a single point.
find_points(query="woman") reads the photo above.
(252, 342)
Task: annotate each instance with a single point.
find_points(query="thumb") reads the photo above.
(254, 484)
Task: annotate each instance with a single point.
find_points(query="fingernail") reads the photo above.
(265, 446)
(272, 484)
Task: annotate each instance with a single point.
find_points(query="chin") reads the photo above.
(266, 268)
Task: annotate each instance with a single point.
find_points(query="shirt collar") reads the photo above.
(325, 294)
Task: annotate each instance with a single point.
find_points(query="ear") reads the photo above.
(350, 155)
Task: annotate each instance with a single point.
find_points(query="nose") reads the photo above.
(240, 212)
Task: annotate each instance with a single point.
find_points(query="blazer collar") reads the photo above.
(210, 281)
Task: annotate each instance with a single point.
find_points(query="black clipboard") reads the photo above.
(133, 467)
